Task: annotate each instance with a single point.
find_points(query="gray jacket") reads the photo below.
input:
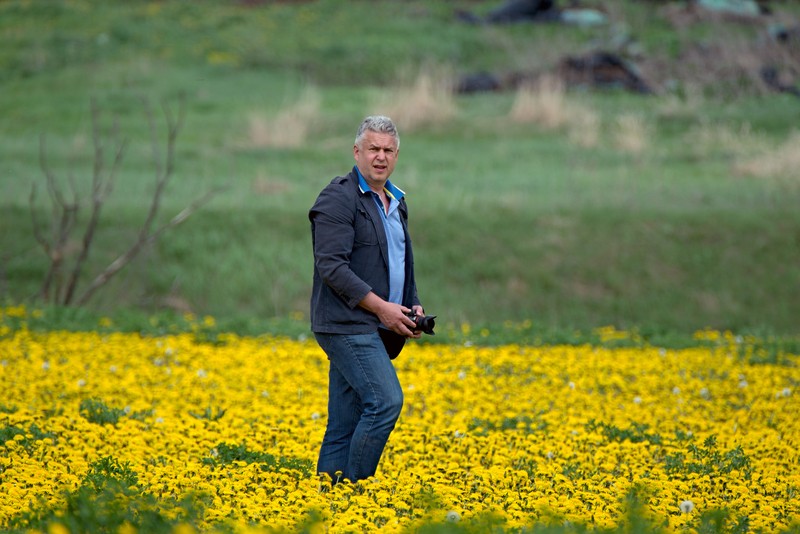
(351, 258)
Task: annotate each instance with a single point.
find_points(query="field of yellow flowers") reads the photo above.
(109, 430)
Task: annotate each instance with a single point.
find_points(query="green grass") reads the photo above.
(511, 222)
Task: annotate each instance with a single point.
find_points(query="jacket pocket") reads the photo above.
(364, 230)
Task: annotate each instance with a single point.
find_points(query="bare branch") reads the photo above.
(101, 187)
(99, 160)
(52, 185)
(44, 291)
(164, 170)
(156, 153)
(174, 126)
(189, 210)
(63, 220)
(134, 250)
(37, 227)
(64, 213)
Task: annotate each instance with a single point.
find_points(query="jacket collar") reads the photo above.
(390, 188)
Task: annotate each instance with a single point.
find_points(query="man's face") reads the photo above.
(376, 157)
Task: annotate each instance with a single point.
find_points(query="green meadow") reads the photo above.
(560, 209)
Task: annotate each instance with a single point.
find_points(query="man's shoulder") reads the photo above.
(347, 185)
(339, 180)
(348, 179)
(341, 192)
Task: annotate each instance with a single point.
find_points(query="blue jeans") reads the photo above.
(364, 403)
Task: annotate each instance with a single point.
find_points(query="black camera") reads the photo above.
(423, 323)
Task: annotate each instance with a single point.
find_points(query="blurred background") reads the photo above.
(568, 165)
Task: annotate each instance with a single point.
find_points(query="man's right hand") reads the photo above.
(391, 315)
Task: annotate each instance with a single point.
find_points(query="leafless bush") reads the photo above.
(780, 162)
(290, 128)
(67, 258)
(735, 143)
(632, 133)
(584, 127)
(750, 153)
(542, 102)
(423, 97)
(546, 103)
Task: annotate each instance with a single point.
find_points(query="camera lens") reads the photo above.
(426, 323)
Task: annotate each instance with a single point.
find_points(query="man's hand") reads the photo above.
(392, 316)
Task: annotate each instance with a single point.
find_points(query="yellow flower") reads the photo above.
(57, 528)
(496, 430)
(183, 528)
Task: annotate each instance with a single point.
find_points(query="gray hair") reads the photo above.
(379, 124)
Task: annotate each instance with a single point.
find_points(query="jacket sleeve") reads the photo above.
(332, 218)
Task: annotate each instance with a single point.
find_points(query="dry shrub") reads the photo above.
(422, 99)
(752, 154)
(781, 161)
(541, 102)
(733, 142)
(545, 102)
(632, 133)
(289, 128)
(584, 127)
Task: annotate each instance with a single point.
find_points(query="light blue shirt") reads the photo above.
(395, 236)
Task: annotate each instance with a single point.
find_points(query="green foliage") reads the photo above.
(707, 460)
(98, 412)
(769, 350)
(522, 423)
(426, 499)
(108, 470)
(226, 454)
(715, 521)
(635, 433)
(209, 414)
(27, 437)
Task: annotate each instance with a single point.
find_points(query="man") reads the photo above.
(363, 290)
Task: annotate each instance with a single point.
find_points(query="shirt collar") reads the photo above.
(393, 190)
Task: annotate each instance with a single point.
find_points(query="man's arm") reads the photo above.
(333, 235)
